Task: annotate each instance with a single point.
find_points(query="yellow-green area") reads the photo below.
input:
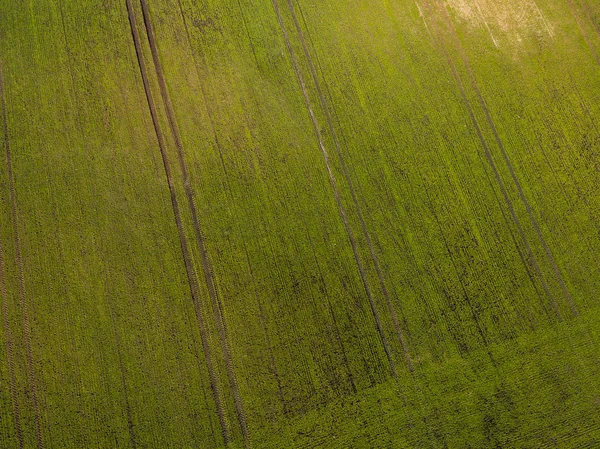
(397, 201)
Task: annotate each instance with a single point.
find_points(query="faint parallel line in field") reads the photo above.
(192, 281)
(338, 199)
(584, 107)
(5, 310)
(371, 352)
(488, 249)
(543, 19)
(130, 428)
(364, 228)
(582, 31)
(490, 160)
(424, 21)
(297, 336)
(263, 321)
(239, 3)
(586, 9)
(396, 323)
(530, 275)
(345, 171)
(332, 314)
(31, 376)
(218, 309)
(12, 385)
(79, 126)
(485, 22)
(456, 271)
(549, 254)
(419, 106)
(210, 114)
(569, 172)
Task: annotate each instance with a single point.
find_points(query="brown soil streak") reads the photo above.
(273, 365)
(583, 32)
(206, 264)
(193, 283)
(9, 352)
(31, 378)
(123, 378)
(9, 344)
(586, 9)
(346, 173)
(528, 208)
(490, 160)
(336, 192)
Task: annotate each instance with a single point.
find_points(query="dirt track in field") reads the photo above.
(192, 281)
(9, 352)
(198, 231)
(31, 376)
(517, 183)
(334, 186)
(345, 171)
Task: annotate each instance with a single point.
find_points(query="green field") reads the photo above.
(300, 224)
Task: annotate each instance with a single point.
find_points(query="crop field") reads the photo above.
(300, 224)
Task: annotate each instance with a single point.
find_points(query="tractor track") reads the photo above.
(550, 256)
(338, 198)
(492, 164)
(130, 426)
(588, 14)
(210, 114)
(192, 281)
(31, 376)
(9, 353)
(346, 173)
(218, 309)
(585, 35)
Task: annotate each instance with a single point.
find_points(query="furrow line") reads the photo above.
(9, 353)
(549, 254)
(263, 321)
(209, 111)
(31, 376)
(338, 337)
(586, 9)
(582, 31)
(467, 298)
(192, 281)
(218, 309)
(345, 171)
(338, 199)
(490, 160)
(123, 377)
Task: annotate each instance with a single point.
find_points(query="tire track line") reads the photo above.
(31, 376)
(338, 199)
(123, 377)
(210, 114)
(9, 351)
(584, 33)
(455, 268)
(396, 323)
(345, 171)
(331, 312)
(574, 311)
(549, 254)
(192, 281)
(263, 321)
(490, 160)
(218, 308)
(586, 10)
